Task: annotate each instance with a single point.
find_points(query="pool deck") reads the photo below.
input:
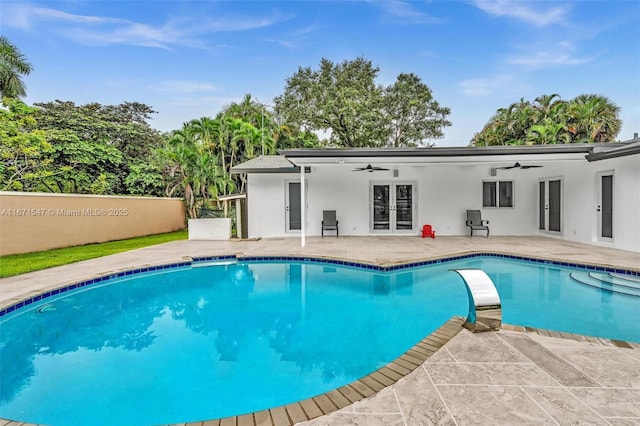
(513, 376)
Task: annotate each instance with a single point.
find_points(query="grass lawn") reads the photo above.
(16, 264)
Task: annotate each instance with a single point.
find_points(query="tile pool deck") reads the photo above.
(514, 376)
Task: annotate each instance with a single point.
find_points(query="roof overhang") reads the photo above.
(290, 160)
(632, 148)
(442, 155)
(266, 164)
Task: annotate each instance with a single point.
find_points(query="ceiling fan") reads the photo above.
(369, 168)
(516, 166)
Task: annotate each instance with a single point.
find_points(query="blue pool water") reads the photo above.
(197, 343)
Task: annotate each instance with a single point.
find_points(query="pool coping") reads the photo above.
(366, 386)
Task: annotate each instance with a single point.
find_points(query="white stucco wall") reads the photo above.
(265, 205)
(446, 191)
(626, 219)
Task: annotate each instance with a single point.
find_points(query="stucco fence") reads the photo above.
(39, 221)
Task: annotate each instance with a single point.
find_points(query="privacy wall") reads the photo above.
(39, 221)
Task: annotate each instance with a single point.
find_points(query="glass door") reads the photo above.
(550, 205)
(381, 207)
(404, 207)
(293, 212)
(392, 206)
(605, 206)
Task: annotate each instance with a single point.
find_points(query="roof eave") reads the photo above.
(240, 170)
(624, 151)
(442, 151)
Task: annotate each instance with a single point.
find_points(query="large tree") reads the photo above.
(24, 150)
(551, 120)
(344, 101)
(13, 65)
(103, 144)
(413, 115)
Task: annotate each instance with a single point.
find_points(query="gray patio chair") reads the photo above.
(475, 222)
(329, 221)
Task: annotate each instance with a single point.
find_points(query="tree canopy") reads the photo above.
(100, 143)
(198, 158)
(13, 65)
(344, 101)
(88, 149)
(413, 115)
(551, 120)
(24, 150)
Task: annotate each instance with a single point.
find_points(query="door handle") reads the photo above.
(287, 208)
(598, 209)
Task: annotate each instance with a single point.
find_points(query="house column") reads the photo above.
(303, 207)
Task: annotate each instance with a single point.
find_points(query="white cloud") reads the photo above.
(476, 87)
(99, 30)
(523, 11)
(26, 16)
(560, 54)
(282, 42)
(307, 30)
(406, 11)
(296, 39)
(184, 86)
(503, 84)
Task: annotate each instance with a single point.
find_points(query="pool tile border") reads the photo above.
(316, 259)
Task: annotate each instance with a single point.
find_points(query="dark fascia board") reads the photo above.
(240, 170)
(462, 151)
(619, 151)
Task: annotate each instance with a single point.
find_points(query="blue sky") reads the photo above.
(188, 59)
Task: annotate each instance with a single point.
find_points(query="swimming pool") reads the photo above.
(186, 342)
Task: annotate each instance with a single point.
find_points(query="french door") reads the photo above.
(550, 205)
(604, 207)
(392, 206)
(293, 211)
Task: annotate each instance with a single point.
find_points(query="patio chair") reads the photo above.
(475, 223)
(329, 221)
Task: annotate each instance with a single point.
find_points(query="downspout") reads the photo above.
(303, 207)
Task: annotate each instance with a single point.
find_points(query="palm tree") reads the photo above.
(12, 66)
(593, 118)
(551, 120)
(204, 133)
(548, 106)
(547, 133)
(180, 155)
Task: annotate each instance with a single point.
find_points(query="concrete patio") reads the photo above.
(511, 377)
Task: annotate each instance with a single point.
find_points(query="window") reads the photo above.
(497, 193)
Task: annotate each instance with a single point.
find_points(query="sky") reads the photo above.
(188, 59)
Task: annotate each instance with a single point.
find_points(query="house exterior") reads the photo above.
(587, 193)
